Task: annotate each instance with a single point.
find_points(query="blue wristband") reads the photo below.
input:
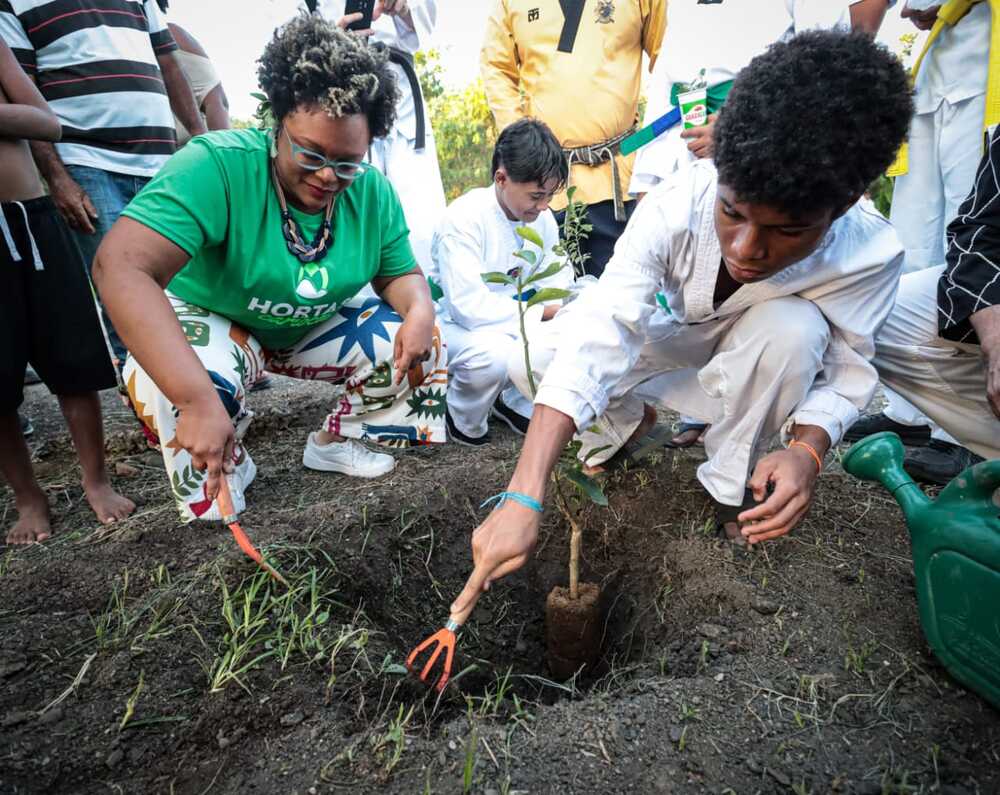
(516, 496)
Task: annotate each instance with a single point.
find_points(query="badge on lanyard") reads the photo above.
(605, 11)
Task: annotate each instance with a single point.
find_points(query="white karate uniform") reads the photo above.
(945, 142)
(414, 174)
(480, 321)
(795, 348)
(944, 380)
(728, 36)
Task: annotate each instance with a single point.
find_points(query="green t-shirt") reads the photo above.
(215, 200)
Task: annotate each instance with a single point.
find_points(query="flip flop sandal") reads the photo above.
(686, 427)
(634, 452)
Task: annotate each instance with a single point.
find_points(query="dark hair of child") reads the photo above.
(529, 152)
(812, 122)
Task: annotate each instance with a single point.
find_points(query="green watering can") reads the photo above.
(956, 558)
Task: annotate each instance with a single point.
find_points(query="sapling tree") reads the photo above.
(523, 279)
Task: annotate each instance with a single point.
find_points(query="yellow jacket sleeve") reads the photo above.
(499, 68)
(654, 25)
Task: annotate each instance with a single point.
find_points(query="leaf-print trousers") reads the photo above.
(353, 350)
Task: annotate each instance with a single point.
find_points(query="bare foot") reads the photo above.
(108, 504)
(689, 437)
(32, 524)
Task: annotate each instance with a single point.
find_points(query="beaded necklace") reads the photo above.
(320, 245)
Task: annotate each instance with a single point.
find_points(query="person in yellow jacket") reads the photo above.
(576, 65)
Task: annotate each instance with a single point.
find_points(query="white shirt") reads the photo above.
(957, 66)
(728, 36)
(393, 32)
(671, 245)
(476, 237)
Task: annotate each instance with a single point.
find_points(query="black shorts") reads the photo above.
(48, 313)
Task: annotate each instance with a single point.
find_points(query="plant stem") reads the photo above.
(575, 538)
(524, 338)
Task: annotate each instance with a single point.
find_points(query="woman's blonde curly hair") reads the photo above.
(311, 62)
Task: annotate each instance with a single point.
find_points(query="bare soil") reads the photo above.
(153, 657)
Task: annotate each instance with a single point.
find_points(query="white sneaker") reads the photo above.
(349, 457)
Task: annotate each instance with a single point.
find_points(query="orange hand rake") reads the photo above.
(230, 518)
(441, 641)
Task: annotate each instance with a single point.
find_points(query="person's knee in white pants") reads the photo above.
(765, 365)
(477, 373)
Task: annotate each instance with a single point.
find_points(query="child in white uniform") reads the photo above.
(480, 321)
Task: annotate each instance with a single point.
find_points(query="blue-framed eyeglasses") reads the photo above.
(314, 161)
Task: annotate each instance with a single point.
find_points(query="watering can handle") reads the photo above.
(981, 482)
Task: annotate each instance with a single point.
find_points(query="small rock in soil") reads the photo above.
(292, 718)
(764, 606)
(115, 758)
(719, 677)
(125, 470)
(780, 777)
(676, 732)
(710, 630)
(753, 765)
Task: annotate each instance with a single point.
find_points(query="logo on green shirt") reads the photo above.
(313, 281)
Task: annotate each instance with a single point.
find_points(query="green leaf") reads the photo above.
(527, 256)
(552, 270)
(548, 294)
(496, 277)
(529, 234)
(588, 486)
(597, 450)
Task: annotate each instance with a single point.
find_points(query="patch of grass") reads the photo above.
(389, 746)
(856, 660)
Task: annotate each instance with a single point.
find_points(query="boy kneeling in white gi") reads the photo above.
(480, 321)
(777, 279)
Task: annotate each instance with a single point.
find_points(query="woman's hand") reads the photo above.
(701, 140)
(793, 474)
(414, 341)
(206, 431)
(500, 545)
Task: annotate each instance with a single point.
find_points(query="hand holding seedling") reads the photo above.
(790, 476)
(206, 431)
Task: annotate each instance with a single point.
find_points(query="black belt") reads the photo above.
(404, 61)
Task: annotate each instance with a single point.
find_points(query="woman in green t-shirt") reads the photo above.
(262, 241)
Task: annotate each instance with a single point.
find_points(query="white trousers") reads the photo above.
(416, 177)
(477, 374)
(945, 150)
(944, 380)
(744, 374)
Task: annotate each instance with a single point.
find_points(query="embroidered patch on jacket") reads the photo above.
(605, 11)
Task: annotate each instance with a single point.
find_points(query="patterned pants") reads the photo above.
(352, 350)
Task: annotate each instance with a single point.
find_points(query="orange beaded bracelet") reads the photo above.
(812, 452)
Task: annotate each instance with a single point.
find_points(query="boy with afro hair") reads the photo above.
(777, 276)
